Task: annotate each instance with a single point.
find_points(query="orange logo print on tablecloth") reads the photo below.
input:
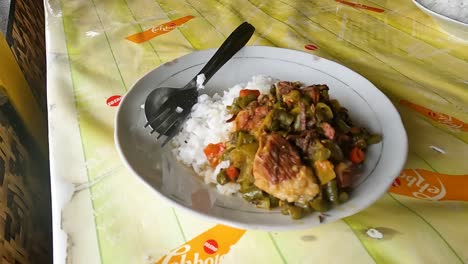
(209, 247)
(158, 30)
(451, 122)
(430, 185)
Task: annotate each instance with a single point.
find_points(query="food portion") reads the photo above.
(279, 171)
(285, 145)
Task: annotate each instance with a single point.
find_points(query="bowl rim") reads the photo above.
(265, 226)
(438, 15)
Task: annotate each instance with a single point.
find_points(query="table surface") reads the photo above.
(103, 214)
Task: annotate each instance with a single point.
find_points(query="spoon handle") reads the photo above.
(238, 38)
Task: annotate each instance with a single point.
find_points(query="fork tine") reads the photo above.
(169, 119)
(168, 128)
(157, 115)
(171, 133)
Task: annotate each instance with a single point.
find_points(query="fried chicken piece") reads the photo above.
(278, 170)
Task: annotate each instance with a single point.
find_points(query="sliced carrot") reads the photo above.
(213, 153)
(357, 155)
(232, 172)
(246, 92)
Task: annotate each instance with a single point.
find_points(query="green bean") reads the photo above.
(321, 154)
(274, 202)
(292, 97)
(295, 212)
(285, 118)
(284, 207)
(324, 94)
(244, 101)
(331, 191)
(374, 139)
(319, 205)
(342, 126)
(316, 151)
(275, 125)
(335, 105)
(343, 197)
(360, 140)
(361, 143)
(253, 194)
(222, 178)
(323, 112)
(262, 203)
(335, 151)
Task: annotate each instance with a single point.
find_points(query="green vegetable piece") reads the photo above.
(321, 154)
(335, 105)
(245, 100)
(222, 178)
(234, 108)
(297, 84)
(275, 125)
(274, 202)
(344, 196)
(246, 186)
(319, 205)
(317, 151)
(335, 151)
(301, 204)
(342, 126)
(361, 143)
(374, 139)
(225, 155)
(253, 194)
(284, 118)
(324, 170)
(296, 212)
(331, 190)
(292, 97)
(284, 207)
(263, 203)
(244, 138)
(242, 157)
(325, 110)
(323, 91)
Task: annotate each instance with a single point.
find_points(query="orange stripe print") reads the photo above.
(158, 30)
(356, 5)
(433, 186)
(451, 122)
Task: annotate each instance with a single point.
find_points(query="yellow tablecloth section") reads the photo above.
(102, 214)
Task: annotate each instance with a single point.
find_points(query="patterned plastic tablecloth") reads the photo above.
(96, 50)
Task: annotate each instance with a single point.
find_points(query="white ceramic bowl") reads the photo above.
(179, 186)
(451, 26)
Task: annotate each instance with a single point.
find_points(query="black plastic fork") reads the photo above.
(166, 108)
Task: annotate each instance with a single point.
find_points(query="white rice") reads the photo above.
(207, 124)
(200, 81)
